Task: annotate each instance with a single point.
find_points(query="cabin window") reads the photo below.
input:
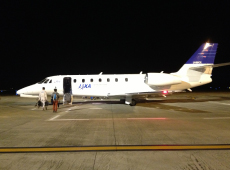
(50, 81)
(74, 80)
(99, 79)
(116, 79)
(126, 79)
(91, 80)
(46, 81)
(83, 80)
(40, 82)
(108, 80)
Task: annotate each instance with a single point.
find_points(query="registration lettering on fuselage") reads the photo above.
(197, 62)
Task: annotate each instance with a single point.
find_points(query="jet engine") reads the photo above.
(161, 79)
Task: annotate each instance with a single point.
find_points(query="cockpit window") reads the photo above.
(50, 81)
(46, 81)
(40, 82)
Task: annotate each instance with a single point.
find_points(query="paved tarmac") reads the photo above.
(183, 119)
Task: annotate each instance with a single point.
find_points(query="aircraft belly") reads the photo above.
(182, 86)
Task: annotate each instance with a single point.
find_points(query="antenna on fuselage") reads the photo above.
(100, 73)
(141, 72)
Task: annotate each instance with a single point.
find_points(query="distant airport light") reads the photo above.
(210, 87)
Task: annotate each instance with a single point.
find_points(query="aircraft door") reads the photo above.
(67, 85)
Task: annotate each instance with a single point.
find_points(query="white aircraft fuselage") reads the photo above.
(195, 72)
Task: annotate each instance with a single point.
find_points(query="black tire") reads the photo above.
(133, 103)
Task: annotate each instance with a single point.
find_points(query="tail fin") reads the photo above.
(204, 55)
(201, 61)
(199, 67)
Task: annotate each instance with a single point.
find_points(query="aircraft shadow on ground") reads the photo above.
(158, 104)
(97, 102)
(192, 99)
(162, 104)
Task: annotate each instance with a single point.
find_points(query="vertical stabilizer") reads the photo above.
(199, 67)
(204, 55)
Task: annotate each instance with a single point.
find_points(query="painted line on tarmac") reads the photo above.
(150, 118)
(60, 114)
(54, 117)
(217, 118)
(220, 103)
(114, 148)
(68, 119)
(108, 119)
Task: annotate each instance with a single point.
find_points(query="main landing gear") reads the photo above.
(130, 101)
(133, 103)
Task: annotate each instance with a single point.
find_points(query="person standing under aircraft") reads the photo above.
(43, 97)
(55, 97)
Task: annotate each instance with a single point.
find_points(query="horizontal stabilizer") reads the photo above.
(208, 66)
(221, 64)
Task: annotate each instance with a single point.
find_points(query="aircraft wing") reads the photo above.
(135, 91)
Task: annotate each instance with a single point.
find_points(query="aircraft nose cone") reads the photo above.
(21, 91)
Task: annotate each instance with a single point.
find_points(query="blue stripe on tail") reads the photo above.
(204, 55)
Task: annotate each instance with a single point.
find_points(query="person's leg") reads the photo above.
(43, 102)
(71, 100)
(56, 103)
(53, 105)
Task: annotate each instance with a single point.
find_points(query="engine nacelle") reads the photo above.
(161, 79)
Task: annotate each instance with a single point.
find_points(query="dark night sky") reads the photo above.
(40, 39)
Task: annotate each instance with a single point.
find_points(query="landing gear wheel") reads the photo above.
(133, 103)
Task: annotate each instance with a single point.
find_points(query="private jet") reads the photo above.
(131, 87)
